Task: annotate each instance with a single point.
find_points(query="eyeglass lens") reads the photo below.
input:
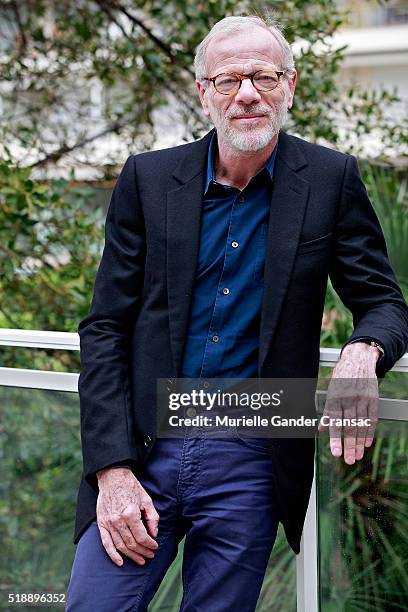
(263, 81)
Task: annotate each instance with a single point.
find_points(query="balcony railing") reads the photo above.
(307, 562)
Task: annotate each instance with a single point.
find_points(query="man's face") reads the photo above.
(248, 120)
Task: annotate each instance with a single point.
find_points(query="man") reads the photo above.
(215, 264)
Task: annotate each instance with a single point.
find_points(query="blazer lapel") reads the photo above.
(288, 205)
(184, 206)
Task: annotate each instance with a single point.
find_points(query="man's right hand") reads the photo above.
(122, 503)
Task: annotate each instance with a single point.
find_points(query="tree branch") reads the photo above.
(9, 318)
(22, 40)
(108, 13)
(56, 155)
(157, 41)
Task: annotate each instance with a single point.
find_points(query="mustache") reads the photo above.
(248, 111)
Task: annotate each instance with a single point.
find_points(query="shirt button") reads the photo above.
(241, 199)
(215, 338)
(234, 244)
(225, 291)
(206, 384)
(191, 412)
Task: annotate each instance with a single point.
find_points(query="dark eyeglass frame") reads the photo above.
(241, 77)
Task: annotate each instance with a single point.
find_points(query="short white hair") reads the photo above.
(231, 25)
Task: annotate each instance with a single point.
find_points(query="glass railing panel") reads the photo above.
(363, 515)
(40, 471)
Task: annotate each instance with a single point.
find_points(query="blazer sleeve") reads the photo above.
(362, 275)
(107, 435)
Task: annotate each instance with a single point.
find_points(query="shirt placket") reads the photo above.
(214, 348)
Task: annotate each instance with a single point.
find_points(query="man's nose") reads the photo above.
(247, 93)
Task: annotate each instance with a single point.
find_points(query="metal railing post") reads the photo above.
(307, 595)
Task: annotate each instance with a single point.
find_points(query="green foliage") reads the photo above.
(337, 325)
(50, 246)
(387, 190)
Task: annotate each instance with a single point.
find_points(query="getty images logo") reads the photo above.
(207, 400)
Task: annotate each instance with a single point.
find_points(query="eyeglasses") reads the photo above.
(229, 83)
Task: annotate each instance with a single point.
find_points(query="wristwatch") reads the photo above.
(368, 341)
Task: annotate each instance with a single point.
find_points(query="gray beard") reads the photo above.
(251, 138)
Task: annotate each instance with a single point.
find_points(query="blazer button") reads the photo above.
(170, 384)
(147, 440)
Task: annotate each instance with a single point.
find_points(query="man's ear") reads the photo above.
(292, 86)
(201, 91)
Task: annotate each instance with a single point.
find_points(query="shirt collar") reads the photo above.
(269, 165)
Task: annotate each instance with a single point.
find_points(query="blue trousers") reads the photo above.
(220, 495)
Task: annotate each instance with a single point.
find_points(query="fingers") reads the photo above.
(109, 546)
(125, 544)
(372, 410)
(117, 538)
(150, 513)
(135, 543)
(349, 431)
(125, 533)
(140, 534)
(350, 414)
(334, 410)
(120, 504)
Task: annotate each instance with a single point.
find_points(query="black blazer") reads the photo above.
(321, 223)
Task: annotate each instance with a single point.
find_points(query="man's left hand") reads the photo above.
(352, 394)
